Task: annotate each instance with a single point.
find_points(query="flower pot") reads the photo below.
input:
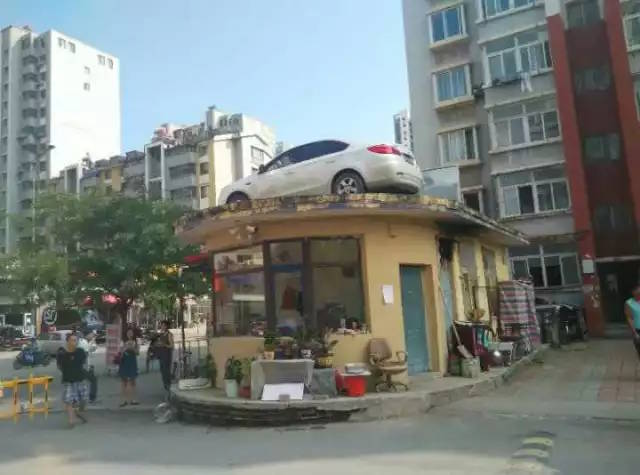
(245, 392)
(324, 361)
(305, 354)
(269, 355)
(231, 388)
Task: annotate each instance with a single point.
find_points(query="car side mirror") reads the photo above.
(261, 169)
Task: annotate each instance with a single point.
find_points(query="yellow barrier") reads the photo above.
(32, 383)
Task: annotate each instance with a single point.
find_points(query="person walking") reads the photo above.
(164, 352)
(128, 370)
(71, 362)
(632, 313)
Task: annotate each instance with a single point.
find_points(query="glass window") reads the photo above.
(72, 47)
(520, 269)
(447, 24)
(511, 203)
(525, 195)
(525, 52)
(538, 127)
(458, 145)
(62, 43)
(204, 191)
(583, 13)
(240, 295)
(110, 63)
(560, 195)
(451, 84)
(286, 265)
(602, 147)
(101, 59)
(472, 200)
(337, 283)
(545, 197)
(204, 168)
(632, 29)
(535, 271)
(570, 270)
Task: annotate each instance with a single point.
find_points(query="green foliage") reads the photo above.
(106, 244)
(233, 369)
(212, 370)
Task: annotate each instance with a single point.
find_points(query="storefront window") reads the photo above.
(337, 283)
(286, 266)
(240, 296)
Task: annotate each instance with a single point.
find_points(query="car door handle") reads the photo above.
(331, 161)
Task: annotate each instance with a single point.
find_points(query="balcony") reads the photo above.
(30, 68)
(182, 182)
(30, 85)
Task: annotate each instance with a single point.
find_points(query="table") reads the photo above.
(279, 372)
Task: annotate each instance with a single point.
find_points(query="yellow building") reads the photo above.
(397, 267)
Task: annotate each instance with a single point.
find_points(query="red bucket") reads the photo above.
(355, 385)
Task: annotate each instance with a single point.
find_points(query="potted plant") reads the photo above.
(232, 376)
(270, 345)
(245, 384)
(211, 370)
(324, 349)
(304, 340)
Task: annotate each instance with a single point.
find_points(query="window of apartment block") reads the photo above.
(554, 265)
(458, 145)
(26, 42)
(107, 174)
(204, 191)
(525, 52)
(204, 168)
(452, 83)
(592, 79)
(532, 192)
(447, 24)
(187, 169)
(598, 148)
(473, 199)
(110, 63)
(86, 86)
(72, 47)
(612, 218)
(62, 43)
(491, 8)
(632, 29)
(101, 59)
(582, 13)
(87, 70)
(523, 123)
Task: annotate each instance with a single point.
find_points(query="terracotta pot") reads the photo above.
(325, 361)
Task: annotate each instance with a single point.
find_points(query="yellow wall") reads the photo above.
(385, 245)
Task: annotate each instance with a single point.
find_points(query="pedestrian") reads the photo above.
(632, 312)
(89, 345)
(164, 352)
(129, 367)
(71, 362)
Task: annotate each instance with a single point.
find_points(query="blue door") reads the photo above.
(414, 317)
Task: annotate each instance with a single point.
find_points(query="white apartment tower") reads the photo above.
(191, 164)
(60, 102)
(403, 132)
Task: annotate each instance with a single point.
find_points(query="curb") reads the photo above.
(419, 402)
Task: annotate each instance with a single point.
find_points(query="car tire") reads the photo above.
(348, 183)
(237, 197)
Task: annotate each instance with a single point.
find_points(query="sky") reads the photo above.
(311, 69)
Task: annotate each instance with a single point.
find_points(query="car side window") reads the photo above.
(43, 336)
(325, 147)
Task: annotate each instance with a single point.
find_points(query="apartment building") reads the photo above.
(59, 102)
(191, 164)
(536, 103)
(402, 132)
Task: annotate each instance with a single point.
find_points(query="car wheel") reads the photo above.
(237, 198)
(348, 183)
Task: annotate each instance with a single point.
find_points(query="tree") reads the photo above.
(114, 244)
(34, 276)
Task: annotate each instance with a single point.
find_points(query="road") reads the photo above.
(483, 435)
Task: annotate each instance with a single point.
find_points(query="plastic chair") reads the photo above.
(380, 358)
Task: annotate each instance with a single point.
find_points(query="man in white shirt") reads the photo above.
(88, 345)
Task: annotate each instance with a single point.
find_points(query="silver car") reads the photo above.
(330, 167)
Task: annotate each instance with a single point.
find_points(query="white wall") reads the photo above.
(82, 122)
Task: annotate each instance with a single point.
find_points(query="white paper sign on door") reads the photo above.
(387, 294)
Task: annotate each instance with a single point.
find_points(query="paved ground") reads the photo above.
(149, 388)
(483, 435)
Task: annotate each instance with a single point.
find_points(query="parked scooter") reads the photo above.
(31, 356)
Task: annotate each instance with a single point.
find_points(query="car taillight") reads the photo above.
(384, 149)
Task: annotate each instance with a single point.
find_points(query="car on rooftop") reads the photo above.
(330, 167)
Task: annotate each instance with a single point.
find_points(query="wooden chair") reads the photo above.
(380, 358)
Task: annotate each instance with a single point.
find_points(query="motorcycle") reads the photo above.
(31, 356)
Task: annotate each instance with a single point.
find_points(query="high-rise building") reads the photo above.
(536, 102)
(60, 102)
(402, 129)
(192, 164)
